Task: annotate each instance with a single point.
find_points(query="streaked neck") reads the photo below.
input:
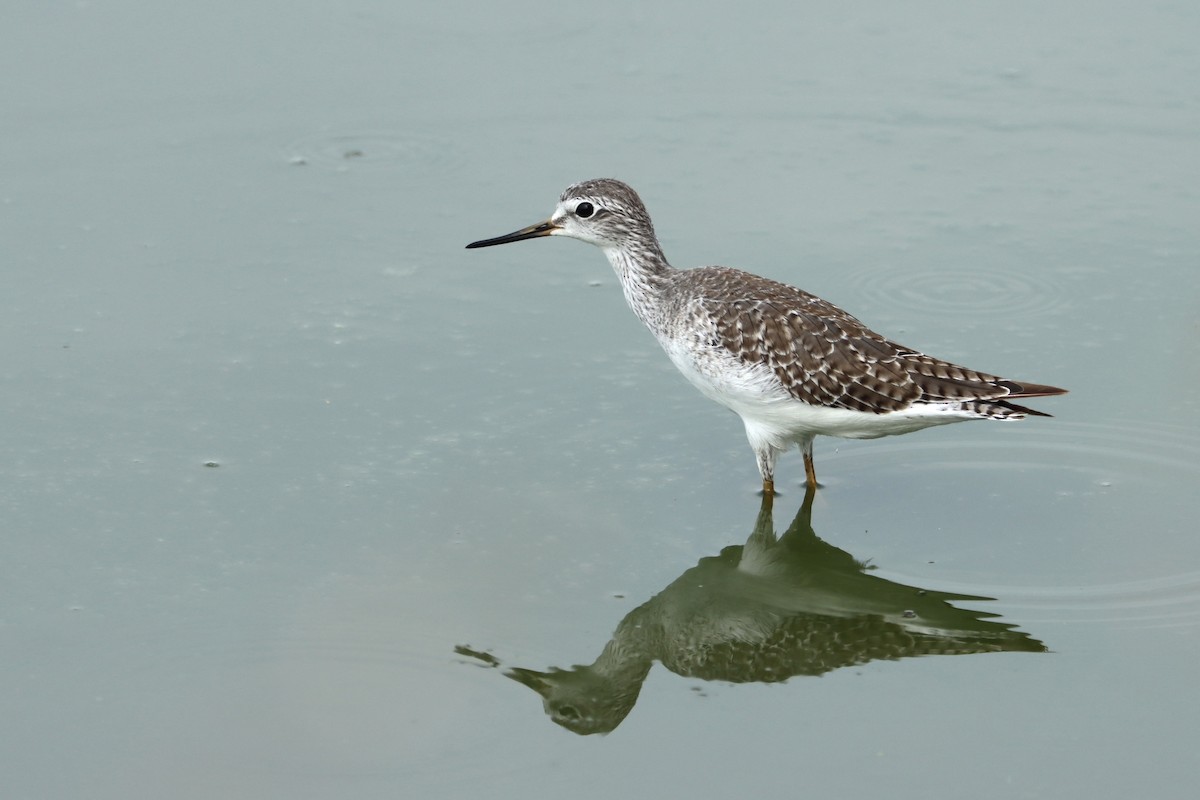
(643, 274)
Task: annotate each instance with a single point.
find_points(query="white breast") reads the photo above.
(770, 413)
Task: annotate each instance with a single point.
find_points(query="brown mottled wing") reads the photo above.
(826, 357)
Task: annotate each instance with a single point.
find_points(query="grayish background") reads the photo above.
(232, 233)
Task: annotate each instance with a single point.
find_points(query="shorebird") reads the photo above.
(791, 365)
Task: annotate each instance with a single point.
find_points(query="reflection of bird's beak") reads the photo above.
(532, 232)
(534, 680)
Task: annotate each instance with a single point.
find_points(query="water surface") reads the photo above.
(276, 444)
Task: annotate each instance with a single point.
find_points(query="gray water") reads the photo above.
(293, 483)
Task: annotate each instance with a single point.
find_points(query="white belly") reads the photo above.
(771, 414)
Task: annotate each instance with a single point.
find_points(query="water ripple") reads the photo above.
(1123, 482)
(1159, 602)
(987, 292)
(1107, 453)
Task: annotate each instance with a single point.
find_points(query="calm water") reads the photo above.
(294, 484)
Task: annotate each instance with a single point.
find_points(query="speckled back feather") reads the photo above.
(824, 356)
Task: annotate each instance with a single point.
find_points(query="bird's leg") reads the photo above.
(768, 492)
(810, 471)
(766, 455)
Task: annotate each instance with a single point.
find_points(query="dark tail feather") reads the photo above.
(1026, 390)
(1023, 409)
(1030, 390)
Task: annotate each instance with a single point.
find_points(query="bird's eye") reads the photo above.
(585, 210)
(568, 712)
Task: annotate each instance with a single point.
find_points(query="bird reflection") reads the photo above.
(766, 611)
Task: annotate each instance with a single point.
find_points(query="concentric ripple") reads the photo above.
(1159, 602)
(1132, 453)
(1107, 509)
(986, 292)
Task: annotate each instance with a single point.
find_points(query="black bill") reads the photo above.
(532, 232)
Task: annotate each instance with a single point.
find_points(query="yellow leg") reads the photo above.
(810, 472)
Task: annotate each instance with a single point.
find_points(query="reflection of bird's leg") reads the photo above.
(801, 528)
(810, 492)
(756, 553)
(764, 525)
(765, 522)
